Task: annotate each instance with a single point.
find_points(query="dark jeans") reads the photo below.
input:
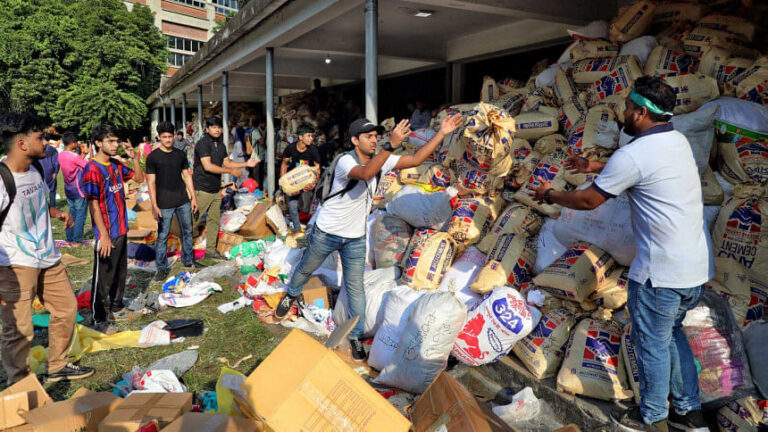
(78, 208)
(109, 276)
(184, 216)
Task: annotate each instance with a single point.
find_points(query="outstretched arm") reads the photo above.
(449, 125)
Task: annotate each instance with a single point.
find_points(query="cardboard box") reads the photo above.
(316, 293)
(138, 233)
(82, 391)
(73, 415)
(256, 223)
(23, 396)
(199, 422)
(447, 405)
(145, 220)
(228, 240)
(140, 408)
(303, 385)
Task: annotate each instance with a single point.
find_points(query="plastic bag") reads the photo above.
(248, 249)
(527, 412)
(231, 221)
(230, 381)
(422, 209)
(390, 237)
(755, 336)
(426, 342)
(377, 285)
(397, 307)
(461, 274)
(548, 248)
(192, 294)
(209, 274)
(160, 381)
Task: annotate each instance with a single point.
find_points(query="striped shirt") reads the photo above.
(104, 183)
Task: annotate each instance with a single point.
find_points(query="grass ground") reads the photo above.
(233, 336)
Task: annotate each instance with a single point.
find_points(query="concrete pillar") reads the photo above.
(184, 114)
(457, 82)
(173, 112)
(199, 112)
(225, 108)
(371, 60)
(270, 113)
(165, 115)
(153, 124)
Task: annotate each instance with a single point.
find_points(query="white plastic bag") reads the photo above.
(461, 274)
(640, 47)
(154, 335)
(231, 221)
(377, 285)
(697, 128)
(191, 294)
(548, 248)
(160, 381)
(422, 209)
(426, 342)
(397, 308)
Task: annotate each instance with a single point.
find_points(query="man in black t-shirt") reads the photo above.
(211, 162)
(301, 153)
(170, 189)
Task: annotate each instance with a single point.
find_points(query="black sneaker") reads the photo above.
(692, 421)
(631, 420)
(358, 352)
(71, 372)
(161, 275)
(284, 307)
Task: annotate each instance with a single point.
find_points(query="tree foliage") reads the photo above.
(79, 62)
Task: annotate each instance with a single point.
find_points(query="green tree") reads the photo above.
(79, 62)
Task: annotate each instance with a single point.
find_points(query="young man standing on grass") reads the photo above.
(170, 189)
(340, 223)
(72, 165)
(211, 162)
(103, 181)
(295, 155)
(30, 264)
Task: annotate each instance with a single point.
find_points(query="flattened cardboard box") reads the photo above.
(73, 415)
(303, 385)
(140, 408)
(27, 394)
(256, 223)
(316, 293)
(200, 422)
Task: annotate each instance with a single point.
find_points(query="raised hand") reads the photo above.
(451, 123)
(400, 132)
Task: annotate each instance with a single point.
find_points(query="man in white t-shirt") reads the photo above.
(674, 258)
(30, 264)
(340, 222)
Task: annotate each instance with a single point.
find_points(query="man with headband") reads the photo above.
(674, 259)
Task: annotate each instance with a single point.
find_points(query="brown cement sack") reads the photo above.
(701, 38)
(752, 84)
(550, 143)
(617, 83)
(693, 91)
(672, 36)
(672, 13)
(564, 88)
(729, 23)
(509, 263)
(487, 139)
(720, 65)
(490, 90)
(590, 49)
(572, 113)
(534, 125)
(711, 191)
(588, 71)
(511, 102)
(517, 218)
(430, 254)
(388, 186)
(633, 22)
(593, 365)
(744, 162)
(551, 169)
(732, 283)
(663, 61)
(581, 141)
(413, 175)
(741, 415)
(577, 273)
(612, 292)
(472, 218)
(542, 351)
(524, 169)
(295, 180)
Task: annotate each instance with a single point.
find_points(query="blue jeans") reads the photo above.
(664, 359)
(184, 216)
(352, 251)
(293, 209)
(78, 208)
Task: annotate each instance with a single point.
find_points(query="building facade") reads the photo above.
(186, 24)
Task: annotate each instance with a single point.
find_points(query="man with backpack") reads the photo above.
(348, 197)
(30, 264)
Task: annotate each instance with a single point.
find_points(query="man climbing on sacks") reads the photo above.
(674, 253)
(340, 222)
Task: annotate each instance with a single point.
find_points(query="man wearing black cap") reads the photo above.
(340, 223)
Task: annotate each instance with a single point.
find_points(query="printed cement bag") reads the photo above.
(754, 342)
(548, 249)
(732, 283)
(664, 61)
(752, 84)
(461, 274)
(617, 83)
(487, 138)
(472, 219)
(377, 285)
(564, 88)
(494, 326)
(672, 13)
(729, 23)
(477, 180)
(742, 415)
(590, 70)
(716, 343)
(582, 141)
(550, 143)
(516, 218)
(388, 186)
(390, 240)
(672, 36)
(509, 262)
(426, 342)
(612, 292)
(711, 191)
(640, 48)
(421, 208)
(534, 125)
(741, 234)
(511, 102)
(428, 260)
(589, 49)
(413, 175)
(701, 38)
(490, 90)
(630, 361)
(693, 91)
(593, 365)
(720, 65)
(295, 180)
(572, 114)
(542, 351)
(577, 273)
(551, 169)
(540, 97)
(633, 22)
(397, 307)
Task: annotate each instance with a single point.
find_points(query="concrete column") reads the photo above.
(270, 113)
(371, 60)
(153, 124)
(457, 82)
(225, 108)
(165, 115)
(173, 112)
(184, 114)
(199, 112)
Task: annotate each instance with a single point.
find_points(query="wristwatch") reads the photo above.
(387, 146)
(546, 195)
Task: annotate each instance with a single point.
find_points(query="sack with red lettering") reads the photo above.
(493, 326)
(542, 351)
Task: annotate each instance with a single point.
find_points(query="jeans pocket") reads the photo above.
(667, 301)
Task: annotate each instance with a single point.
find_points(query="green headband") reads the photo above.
(643, 101)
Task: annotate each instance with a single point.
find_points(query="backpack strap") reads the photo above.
(350, 184)
(10, 188)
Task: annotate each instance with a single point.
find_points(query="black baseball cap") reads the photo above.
(363, 125)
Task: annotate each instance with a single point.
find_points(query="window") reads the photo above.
(194, 3)
(178, 59)
(225, 7)
(183, 44)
